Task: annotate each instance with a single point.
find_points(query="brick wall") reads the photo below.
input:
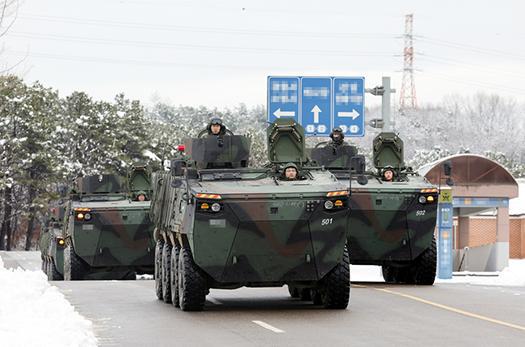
(482, 231)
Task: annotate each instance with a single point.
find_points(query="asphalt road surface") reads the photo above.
(127, 313)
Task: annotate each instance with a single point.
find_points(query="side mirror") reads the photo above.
(357, 163)
(177, 166)
(447, 167)
(449, 182)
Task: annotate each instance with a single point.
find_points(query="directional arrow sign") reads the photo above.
(316, 107)
(283, 98)
(316, 111)
(349, 100)
(278, 113)
(354, 114)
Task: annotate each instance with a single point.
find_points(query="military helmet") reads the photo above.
(337, 130)
(216, 121)
(290, 165)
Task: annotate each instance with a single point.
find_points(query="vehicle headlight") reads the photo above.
(422, 199)
(87, 216)
(328, 204)
(216, 207)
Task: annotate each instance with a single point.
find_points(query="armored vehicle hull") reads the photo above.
(392, 222)
(222, 225)
(115, 242)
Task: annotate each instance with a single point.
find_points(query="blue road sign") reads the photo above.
(283, 98)
(349, 105)
(445, 225)
(316, 105)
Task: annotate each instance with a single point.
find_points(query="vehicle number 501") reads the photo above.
(327, 221)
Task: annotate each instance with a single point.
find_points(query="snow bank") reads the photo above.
(513, 275)
(33, 313)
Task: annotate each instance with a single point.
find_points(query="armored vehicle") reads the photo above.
(221, 224)
(393, 215)
(107, 228)
(51, 244)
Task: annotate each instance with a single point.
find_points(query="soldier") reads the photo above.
(215, 127)
(337, 137)
(290, 172)
(388, 174)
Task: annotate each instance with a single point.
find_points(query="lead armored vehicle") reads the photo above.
(107, 228)
(220, 224)
(393, 215)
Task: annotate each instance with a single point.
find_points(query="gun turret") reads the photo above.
(99, 184)
(219, 151)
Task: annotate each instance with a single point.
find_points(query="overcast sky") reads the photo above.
(219, 53)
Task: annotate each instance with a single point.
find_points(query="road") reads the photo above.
(126, 313)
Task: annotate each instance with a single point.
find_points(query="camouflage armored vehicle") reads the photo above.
(107, 228)
(220, 224)
(51, 244)
(393, 215)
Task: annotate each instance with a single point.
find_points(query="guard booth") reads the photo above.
(480, 184)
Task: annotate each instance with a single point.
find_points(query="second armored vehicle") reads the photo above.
(393, 215)
(220, 224)
(107, 228)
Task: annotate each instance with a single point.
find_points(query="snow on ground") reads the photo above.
(34, 313)
(513, 275)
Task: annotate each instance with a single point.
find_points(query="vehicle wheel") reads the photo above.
(335, 293)
(192, 284)
(53, 273)
(388, 273)
(74, 267)
(294, 292)
(44, 266)
(424, 268)
(316, 297)
(174, 276)
(158, 269)
(166, 273)
(305, 294)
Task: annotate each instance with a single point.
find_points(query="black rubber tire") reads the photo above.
(166, 273)
(335, 293)
(294, 292)
(43, 265)
(305, 294)
(422, 271)
(424, 268)
(74, 267)
(174, 275)
(158, 269)
(192, 284)
(53, 274)
(388, 274)
(316, 297)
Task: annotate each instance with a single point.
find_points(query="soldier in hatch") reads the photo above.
(337, 137)
(388, 174)
(290, 172)
(215, 127)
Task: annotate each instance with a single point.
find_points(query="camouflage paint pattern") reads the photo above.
(268, 231)
(117, 239)
(387, 224)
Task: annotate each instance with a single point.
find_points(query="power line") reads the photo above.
(136, 43)
(213, 30)
(156, 64)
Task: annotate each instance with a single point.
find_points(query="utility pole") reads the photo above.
(407, 98)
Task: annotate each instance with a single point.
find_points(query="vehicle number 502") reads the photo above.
(327, 221)
(420, 213)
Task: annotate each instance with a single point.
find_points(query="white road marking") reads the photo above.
(213, 300)
(268, 326)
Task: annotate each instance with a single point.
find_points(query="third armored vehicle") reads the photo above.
(220, 224)
(107, 228)
(393, 216)
(51, 244)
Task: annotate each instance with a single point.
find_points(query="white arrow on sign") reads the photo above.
(316, 111)
(354, 114)
(278, 113)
